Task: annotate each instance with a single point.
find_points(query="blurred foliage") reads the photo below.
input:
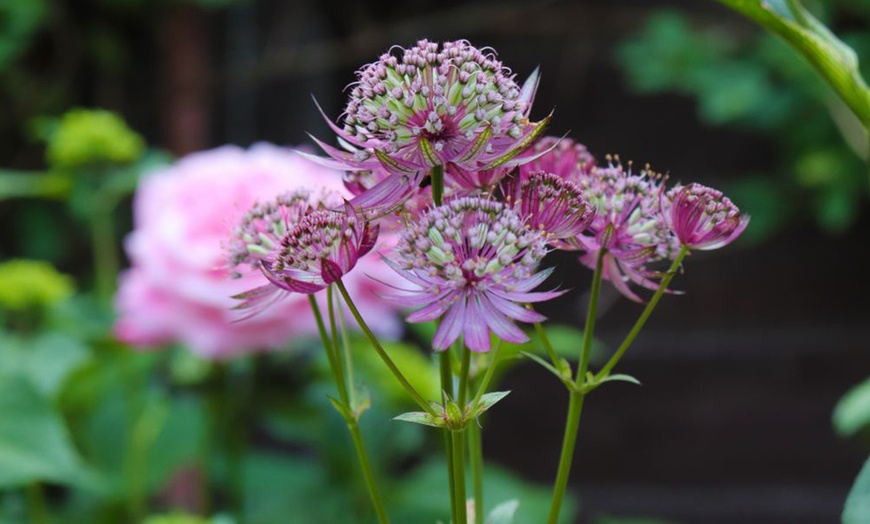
(26, 284)
(83, 137)
(852, 413)
(857, 509)
(757, 83)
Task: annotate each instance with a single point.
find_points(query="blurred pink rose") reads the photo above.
(178, 289)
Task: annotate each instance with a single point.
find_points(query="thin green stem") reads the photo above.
(37, 509)
(333, 330)
(382, 352)
(352, 423)
(487, 377)
(437, 179)
(104, 251)
(348, 359)
(447, 389)
(459, 475)
(575, 405)
(327, 347)
(569, 440)
(368, 475)
(545, 341)
(463, 377)
(589, 328)
(475, 455)
(644, 316)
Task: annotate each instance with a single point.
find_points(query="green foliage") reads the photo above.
(85, 137)
(421, 496)
(857, 509)
(26, 284)
(852, 413)
(34, 442)
(758, 83)
(19, 20)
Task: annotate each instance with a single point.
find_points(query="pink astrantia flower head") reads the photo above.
(474, 262)
(703, 218)
(315, 251)
(263, 226)
(560, 156)
(449, 105)
(551, 204)
(629, 224)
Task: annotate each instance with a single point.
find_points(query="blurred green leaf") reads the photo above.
(47, 360)
(34, 443)
(19, 21)
(504, 513)
(421, 495)
(833, 59)
(857, 509)
(852, 412)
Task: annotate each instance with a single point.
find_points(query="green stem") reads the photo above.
(382, 352)
(545, 341)
(352, 423)
(104, 252)
(327, 347)
(333, 330)
(575, 405)
(345, 343)
(368, 475)
(437, 179)
(37, 509)
(447, 389)
(572, 424)
(475, 454)
(459, 475)
(463, 378)
(638, 325)
(487, 377)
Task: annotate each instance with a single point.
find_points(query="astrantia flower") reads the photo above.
(551, 204)
(450, 106)
(560, 156)
(316, 250)
(474, 262)
(320, 249)
(703, 218)
(629, 224)
(261, 230)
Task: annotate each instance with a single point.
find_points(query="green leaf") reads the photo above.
(34, 443)
(620, 378)
(489, 400)
(852, 412)
(503, 513)
(46, 360)
(546, 365)
(421, 417)
(834, 60)
(857, 509)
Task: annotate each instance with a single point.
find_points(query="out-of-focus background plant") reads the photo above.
(92, 431)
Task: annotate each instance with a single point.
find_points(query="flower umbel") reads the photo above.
(703, 218)
(315, 250)
(629, 224)
(453, 105)
(551, 204)
(475, 263)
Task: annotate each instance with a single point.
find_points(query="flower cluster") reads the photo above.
(472, 262)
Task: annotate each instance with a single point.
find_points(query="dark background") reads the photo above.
(740, 375)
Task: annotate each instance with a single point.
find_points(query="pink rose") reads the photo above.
(178, 288)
